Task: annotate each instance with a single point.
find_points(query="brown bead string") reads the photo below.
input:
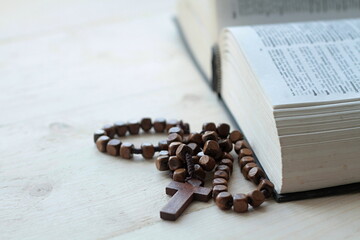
(105, 141)
(190, 155)
(252, 172)
(210, 151)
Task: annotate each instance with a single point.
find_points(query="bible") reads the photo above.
(289, 73)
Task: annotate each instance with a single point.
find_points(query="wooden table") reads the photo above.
(69, 67)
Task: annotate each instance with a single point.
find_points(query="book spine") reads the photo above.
(216, 70)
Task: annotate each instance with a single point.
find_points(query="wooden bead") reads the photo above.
(221, 174)
(98, 134)
(209, 135)
(172, 148)
(148, 150)
(101, 143)
(225, 145)
(240, 203)
(207, 163)
(176, 130)
(235, 136)
(266, 193)
(179, 175)
(186, 128)
(223, 130)
(228, 156)
(163, 153)
(245, 152)
(267, 186)
(245, 160)
(163, 145)
(255, 175)
(113, 147)
(195, 159)
(161, 162)
(224, 200)
(174, 137)
(110, 130)
(209, 126)
(219, 156)
(255, 198)
(194, 147)
(218, 189)
(219, 181)
(227, 162)
(126, 150)
(245, 170)
(211, 148)
(175, 163)
(134, 127)
(224, 168)
(196, 138)
(159, 125)
(121, 128)
(171, 123)
(146, 124)
(240, 145)
(182, 151)
(199, 172)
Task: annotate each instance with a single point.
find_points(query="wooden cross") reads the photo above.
(183, 194)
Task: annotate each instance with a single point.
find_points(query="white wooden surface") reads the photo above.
(67, 68)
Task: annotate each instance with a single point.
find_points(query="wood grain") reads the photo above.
(182, 195)
(69, 67)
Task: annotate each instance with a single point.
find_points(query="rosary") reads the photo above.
(190, 157)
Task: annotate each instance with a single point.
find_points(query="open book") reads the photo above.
(294, 88)
(202, 20)
(295, 91)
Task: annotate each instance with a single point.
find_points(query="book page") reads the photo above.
(303, 63)
(251, 12)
